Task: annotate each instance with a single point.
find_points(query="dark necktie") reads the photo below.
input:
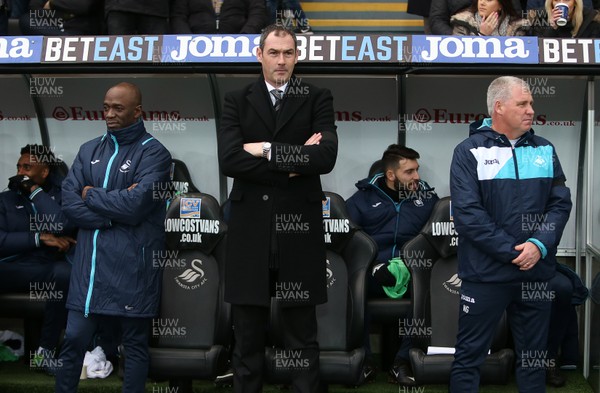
(278, 94)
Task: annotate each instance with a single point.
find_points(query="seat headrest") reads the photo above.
(194, 222)
(336, 222)
(58, 171)
(181, 178)
(439, 230)
(376, 167)
(60, 168)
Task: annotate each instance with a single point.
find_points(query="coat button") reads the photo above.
(265, 197)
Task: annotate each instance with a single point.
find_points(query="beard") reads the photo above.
(405, 190)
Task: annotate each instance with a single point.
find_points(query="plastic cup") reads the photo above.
(564, 14)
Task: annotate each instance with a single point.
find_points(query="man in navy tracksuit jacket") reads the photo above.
(392, 207)
(510, 207)
(34, 241)
(109, 194)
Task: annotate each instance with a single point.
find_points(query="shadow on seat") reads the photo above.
(181, 177)
(431, 258)
(191, 336)
(341, 320)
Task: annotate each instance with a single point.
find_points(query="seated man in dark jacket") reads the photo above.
(226, 17)
(392, 207)
(33, 243)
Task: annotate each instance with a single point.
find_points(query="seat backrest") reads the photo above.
(181, 177)
(191, 220)
(431, 257)
(193, 313)
(349, 253)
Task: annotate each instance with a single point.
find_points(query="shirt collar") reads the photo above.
(271, 87)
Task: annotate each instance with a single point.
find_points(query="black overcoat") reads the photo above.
(276, 220)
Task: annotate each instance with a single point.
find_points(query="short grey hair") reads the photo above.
(501, 89)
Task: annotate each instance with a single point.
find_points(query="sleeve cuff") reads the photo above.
(37, 239)
(37, 191)
(539, 245)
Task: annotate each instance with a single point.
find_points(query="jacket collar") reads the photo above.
(484, 127)
(128, 134)
(258, 97)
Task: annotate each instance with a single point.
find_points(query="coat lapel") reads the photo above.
(291, 103)
(258, 99)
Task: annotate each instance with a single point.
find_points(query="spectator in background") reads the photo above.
(17, 8)
(421, 8)
(34, 241)
(442, 10)
(63, 17)
(392, 207)
(488, 17)
(290, 14)
(582, 22)
(130, 17)
(536, 4)
(222, 17)
(3, 17)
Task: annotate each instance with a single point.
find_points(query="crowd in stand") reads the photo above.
(95, 17)
(442, 17)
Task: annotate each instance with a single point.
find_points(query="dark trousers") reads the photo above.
(129, 23)
(375, 291)
(250, 325)
(44, 281)
(562, 320)
(135, 333)
(481, 308)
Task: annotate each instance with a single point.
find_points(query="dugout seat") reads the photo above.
(191, 336)
(341, 320)
(432, 260)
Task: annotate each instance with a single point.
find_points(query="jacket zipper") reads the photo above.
(88, 298)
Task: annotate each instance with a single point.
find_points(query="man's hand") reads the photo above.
(315, 139)
(63, 243)
(131, 187)
(84, 192)
(254, 148)
(22, 184)
(529, 256)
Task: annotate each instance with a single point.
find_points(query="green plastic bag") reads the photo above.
(397, 267)
(6, 355)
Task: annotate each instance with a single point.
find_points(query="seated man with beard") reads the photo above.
(392, 207)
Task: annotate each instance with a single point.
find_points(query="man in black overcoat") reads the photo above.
(275, 149)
